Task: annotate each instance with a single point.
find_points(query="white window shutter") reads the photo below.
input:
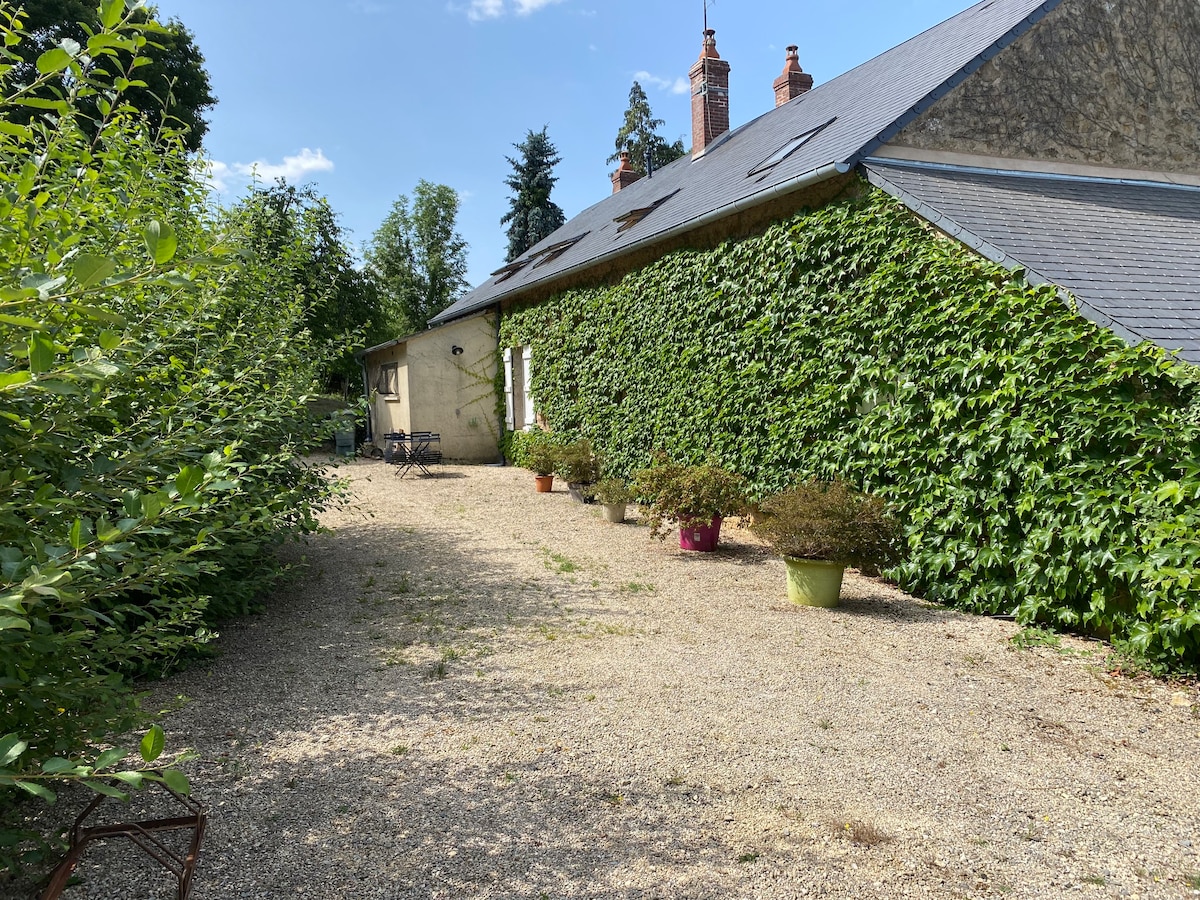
(508, 391)
(527, 358)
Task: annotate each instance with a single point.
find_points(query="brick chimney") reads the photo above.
(710, 96)
(794, 81)
(625, 175)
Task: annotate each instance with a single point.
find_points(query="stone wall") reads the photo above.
(1101, 82)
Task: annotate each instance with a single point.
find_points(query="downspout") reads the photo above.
(501, 422)
(362, 363)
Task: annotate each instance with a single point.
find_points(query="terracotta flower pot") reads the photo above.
(545, 483)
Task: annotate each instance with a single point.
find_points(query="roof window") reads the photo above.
(787, 150)
(631, 218)
(540, 258)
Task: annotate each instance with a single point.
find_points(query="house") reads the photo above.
(440, 380)
(964, 274)
(1058, 137)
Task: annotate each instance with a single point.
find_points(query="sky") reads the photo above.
(364, 98)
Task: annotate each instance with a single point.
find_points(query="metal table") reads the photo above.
(418, 450)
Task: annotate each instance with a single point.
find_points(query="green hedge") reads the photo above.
(1043, 467)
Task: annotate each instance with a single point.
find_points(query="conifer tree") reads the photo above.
(639, 135)
(532, 215)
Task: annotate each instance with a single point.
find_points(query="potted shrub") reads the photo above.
(580, 466)
(614, 495)
(541, 457)
(696, 497)
(820, 528)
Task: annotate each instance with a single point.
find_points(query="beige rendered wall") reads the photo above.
(455, 394)
(389, 412)
(1095, 82)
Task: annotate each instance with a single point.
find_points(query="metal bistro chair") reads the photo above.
(419, 450)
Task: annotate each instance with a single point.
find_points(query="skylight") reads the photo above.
(788, 149)
(540, 258)
(631, 218)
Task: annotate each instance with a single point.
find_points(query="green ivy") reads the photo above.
(1044, 468)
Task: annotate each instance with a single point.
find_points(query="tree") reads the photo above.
(417, 256)
(532, 215)
(639, 135)
(176, 93)
(298, 232)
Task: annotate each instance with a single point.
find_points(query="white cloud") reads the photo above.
(293, 168)
(679, 86)
(485, 9)
(482, 10)
(525, 7)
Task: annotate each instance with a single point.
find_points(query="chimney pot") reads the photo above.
(625, 174)
(794, 81)
(710, 95)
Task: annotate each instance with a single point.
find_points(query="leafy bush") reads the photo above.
(152, 382)
(611, 490)
(534, 450)
(830, 521)
(578, 463)
(689, 495)
(1041, 467)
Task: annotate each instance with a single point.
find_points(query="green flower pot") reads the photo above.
(813, 582)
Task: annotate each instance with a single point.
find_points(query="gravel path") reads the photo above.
(479, 691)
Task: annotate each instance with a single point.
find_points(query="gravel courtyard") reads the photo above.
(478, 691)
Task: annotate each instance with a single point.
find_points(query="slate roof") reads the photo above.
(1129, 251)
(846, 119)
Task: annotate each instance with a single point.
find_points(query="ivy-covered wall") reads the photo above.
(1043, 467)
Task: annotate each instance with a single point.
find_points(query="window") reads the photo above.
(787, 150)
(388, 380)
(631, 218)
(518, 400)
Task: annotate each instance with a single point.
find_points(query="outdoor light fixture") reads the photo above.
(456, 350)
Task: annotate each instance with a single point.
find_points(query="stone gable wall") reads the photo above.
(1100, 82)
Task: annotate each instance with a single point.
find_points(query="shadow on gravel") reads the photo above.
(338, 756)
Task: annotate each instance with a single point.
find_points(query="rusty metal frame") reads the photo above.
(143, 835)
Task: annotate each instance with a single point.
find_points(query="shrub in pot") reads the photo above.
(614, 495)
(580, 466)
(695, 497)
(819, 528)
(540, 456)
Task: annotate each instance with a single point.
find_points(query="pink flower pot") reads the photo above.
(701, 537)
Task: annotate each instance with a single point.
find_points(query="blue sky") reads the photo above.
(363, 98)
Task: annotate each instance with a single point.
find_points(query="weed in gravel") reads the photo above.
(856, 831)
(824, 724)
(556, 562)
(375, 634)
(369, 583)
(637, 587)
(437, 672)
(748, 857)
(400, 585)
(1094, 879)
(613, 799)
(547, 632)
(1032, 636)
(400, 750)
(675, 780)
